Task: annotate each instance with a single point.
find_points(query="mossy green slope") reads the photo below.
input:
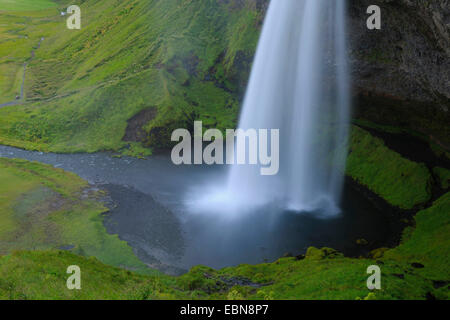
(25, 5)
(187, 58)
(42, 275)
(321, 274)
(401, 182)
(46, 208)
(429, 242)
(19, 34)
(443, 177)
(417, 269)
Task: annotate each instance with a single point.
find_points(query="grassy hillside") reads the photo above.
(401, 182)
(188, 59)
(417, 269)
(25, 5)
(429, 242)
(170, 62)
(44, 208)
(443, 176)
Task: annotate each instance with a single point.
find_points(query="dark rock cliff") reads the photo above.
(401, 73)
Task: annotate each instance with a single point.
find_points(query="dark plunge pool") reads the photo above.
(148, 211)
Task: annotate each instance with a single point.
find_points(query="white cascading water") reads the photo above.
(300, 85)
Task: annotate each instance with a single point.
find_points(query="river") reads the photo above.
(150, 213)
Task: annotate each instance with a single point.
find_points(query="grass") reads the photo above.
(438, 150)
(10, 81)
(190, 60)
(44, 208)
(322, 274)
(25, 5)
(443, 176)
(401, 182)
(42, 275)
(20, 33)
(183, 57)
(428, 243)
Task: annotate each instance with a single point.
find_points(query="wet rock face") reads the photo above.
(409, 58)
(135, 129)
(401, 73)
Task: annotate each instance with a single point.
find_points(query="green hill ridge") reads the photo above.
(169, 63)
(188, 60)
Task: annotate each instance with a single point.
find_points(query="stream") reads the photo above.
(150, 212)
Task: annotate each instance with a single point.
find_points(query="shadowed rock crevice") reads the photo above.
(135, 130)
(401, 72)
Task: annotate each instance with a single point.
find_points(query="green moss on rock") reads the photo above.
(443, 176)
(401, 182)
(41, 275)
(429, 242)
(43, 208)
(323, 253)
(378, 253)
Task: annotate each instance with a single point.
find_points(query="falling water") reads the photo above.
(300, 85)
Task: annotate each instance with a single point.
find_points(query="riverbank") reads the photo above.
(417, 269)
(414, 265)
(149, 209)
(43, 208)
(159, 187)
(138, 70)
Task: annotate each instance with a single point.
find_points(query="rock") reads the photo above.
(440, 283)
(135, 129)
(66, 248)
(430, 296)
(402, 71)
(378, 253)
(362, 242)
(300, 257)
(417, 265)
(320, 254)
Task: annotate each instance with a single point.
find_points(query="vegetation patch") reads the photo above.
(443, 176)
(428, 243)
(417, 269)
(42, 275)
(44, 208)
(83, 86)
(190, 60)
(401, 182)
(25, 5)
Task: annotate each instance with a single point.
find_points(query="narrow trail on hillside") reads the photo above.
(22, 87)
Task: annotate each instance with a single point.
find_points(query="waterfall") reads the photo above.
(299, 84)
